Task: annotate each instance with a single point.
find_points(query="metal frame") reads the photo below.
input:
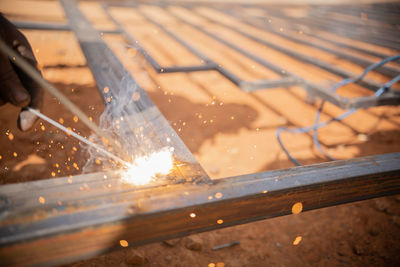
(392, 97)
(209, 64)
(86, 215)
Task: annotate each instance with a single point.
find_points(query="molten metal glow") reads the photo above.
(144, 169)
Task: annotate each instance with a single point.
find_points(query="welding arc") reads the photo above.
(77, 136)
(34, 74)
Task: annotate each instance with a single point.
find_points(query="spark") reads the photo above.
(10, 136)
(218, 195)
(297, 240)
(145, 168)
(75, 166)
(42, 200)
(297, 208)
(123, 243)
(192, 215)
(220, 221)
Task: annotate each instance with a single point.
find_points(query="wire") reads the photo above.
(317, 125)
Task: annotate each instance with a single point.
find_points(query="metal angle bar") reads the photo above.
(204, 67)
(109, 72)
(91, 222)
(386, 70)
(157, 67)
(284, 82)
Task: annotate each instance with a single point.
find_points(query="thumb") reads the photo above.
(11, 88)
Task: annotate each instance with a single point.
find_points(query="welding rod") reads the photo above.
(77, 136)
(34, 74)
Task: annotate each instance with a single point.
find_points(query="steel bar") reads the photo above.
(361, 19)
(323, 24)
(386, 70)
(89, 222)
(386, 99)
(387, 37)
(362, 33)
(388, 16)
(299, 27)
(372, 85)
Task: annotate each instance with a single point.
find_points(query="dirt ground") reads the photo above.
(229, 131)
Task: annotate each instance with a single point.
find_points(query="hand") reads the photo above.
(16, 87)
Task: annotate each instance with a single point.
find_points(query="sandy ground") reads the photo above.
(229, 131)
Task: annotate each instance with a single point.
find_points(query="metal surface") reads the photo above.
(89, 222)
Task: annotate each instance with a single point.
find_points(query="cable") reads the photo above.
(318, 125)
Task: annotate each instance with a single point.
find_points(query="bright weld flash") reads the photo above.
(144, 169)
